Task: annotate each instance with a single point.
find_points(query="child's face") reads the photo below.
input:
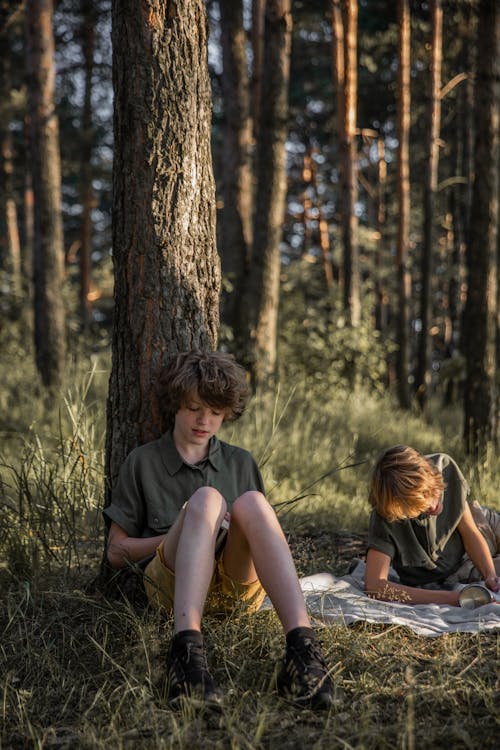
(435, 505)
(196, 422)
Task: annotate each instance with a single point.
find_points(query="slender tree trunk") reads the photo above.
(258, 16)
(88, 43)
(344, 27)
(29, 217)
(457, 219)
(167, 274)
(380, 291)
(423, 374)
(236, 230)
(480, 317)
(10, 251)
(404, 281)
(50, 335)
(261, 302)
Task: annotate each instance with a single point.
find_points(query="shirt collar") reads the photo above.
(174, 461)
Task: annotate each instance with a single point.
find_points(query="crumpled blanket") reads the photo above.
(333, 600)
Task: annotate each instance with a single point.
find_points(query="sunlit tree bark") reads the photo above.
(166, 267)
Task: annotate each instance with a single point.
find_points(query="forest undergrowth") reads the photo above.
(79, 670)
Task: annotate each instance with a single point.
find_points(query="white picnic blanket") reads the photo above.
(333, 600)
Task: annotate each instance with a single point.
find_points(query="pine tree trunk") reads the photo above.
(258, 13)
(423, 374)
(262, 294)
(28, 227)
(236, 221)
(381, 300)
(10, 252)
(480, 316)
(48, 266)
(352, 303)
(404, 281)
(167, 274)
(344, 27)
(87, 195)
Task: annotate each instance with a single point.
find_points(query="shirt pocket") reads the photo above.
(161, 517)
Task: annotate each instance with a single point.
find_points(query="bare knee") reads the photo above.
(206, 503)
(252, 505)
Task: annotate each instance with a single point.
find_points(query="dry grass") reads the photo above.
(80, 671)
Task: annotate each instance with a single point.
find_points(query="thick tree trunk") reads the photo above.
(480, 317)
(404, 281)
(167, 274)
(262, 294)
(423, 374)
(48, 267)
(236, 223)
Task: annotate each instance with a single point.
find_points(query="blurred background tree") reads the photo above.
(414, 219)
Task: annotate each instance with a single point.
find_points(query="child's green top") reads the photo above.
(155, 481)
(429, 548)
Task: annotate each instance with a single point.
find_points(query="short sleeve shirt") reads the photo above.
(154, 483)
(429, 548)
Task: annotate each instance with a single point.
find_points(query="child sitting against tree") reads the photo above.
(425, 526)
(172, 498)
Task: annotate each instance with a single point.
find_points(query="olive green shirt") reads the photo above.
(429, 548)
(154, 483)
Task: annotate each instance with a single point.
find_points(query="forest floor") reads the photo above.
(82, 671)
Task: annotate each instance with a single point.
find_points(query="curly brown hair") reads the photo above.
(403, 483)
(217, 379)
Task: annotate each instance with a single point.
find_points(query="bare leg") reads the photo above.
(256, 547)
(189, 551)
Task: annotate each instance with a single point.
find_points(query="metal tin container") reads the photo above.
(474, 595)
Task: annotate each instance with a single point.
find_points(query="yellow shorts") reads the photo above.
(224, 594)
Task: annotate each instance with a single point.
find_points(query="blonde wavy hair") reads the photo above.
(403, 484)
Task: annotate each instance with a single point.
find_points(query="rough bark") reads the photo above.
(480, 315)
(403, 179)
(167, 274)
(262, 293)
(48, 266)
(423, 374)
(236, 221)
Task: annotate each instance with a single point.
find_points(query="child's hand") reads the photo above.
(493, 583)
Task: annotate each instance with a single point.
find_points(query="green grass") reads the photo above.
(80, 671)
